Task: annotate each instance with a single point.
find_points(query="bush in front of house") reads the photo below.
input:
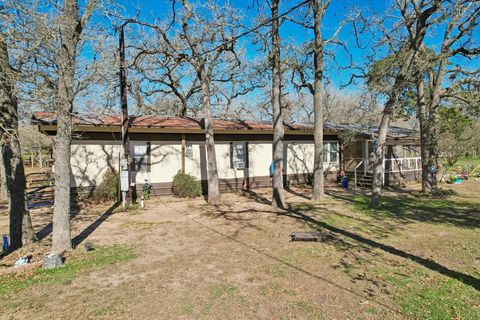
(108, 188)
(186, 186)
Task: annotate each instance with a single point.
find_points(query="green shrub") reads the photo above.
(186, 186)
(108, 188)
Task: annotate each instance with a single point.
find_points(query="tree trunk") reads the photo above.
(430, 166)
(3, 181)
(388, 112)
(428, 141)
(70, 31)
(61, 239)
(421, 110)
(20, 225)
(278, 199)
(318, 189)
(213, 191)
(40, 157)
(184, 108)
(379, 155)
(399, 84)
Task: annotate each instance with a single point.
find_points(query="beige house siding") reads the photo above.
(193, 161)
(225, 170)
(260, 158)
(90, 160)
(165, 162)
(195, 164)
(299, 158)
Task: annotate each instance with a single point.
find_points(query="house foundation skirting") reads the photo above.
(395, 179)
(225, 185)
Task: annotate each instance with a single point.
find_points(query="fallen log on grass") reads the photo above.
(310, 236)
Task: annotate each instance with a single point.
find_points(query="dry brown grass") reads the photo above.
(236, 261)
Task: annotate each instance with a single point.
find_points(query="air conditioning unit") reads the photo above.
(240, 165)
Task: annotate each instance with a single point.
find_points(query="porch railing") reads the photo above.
(351, 163)
(402, 164)
(355, 173)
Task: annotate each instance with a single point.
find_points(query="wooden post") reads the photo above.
(40, 157)
(183, 152)
(365, 155)
(383, 172)
(340, 156)
(355, 179)
(246, 171)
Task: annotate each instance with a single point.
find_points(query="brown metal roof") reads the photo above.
(50, 118)
(187, 123)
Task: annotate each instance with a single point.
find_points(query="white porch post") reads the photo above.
(365, 156)
(383, 171)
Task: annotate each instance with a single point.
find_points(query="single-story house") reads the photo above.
(162, 146)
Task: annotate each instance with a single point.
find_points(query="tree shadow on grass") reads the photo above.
(298, 194)
(47, 229)
(405, 208)
(291, 265)
(302, 215)
(94, 225)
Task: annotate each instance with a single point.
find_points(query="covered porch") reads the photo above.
(402, 163)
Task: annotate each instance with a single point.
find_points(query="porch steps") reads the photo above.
(363, 181)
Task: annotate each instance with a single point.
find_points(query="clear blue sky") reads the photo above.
(150, 10)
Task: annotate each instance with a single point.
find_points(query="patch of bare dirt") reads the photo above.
(229, 261)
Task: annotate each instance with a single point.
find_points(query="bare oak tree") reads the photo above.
(314, 79)
(13, 175)
(447, 66)
(415, 19)
(202, 36)
(70, 28)
(161, 73)
(319, 8)
(278, 198)
(210, 41)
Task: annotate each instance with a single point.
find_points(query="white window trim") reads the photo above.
(328, 143)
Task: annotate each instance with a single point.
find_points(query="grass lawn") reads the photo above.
(463, 162)
(78, 264)
(415, 258)
(425, 288)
